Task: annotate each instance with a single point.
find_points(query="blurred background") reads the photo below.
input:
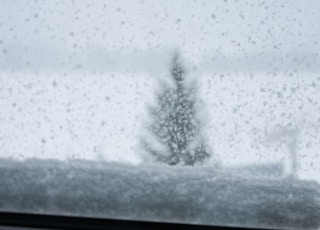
(76, 77)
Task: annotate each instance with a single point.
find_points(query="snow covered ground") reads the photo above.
(80, 89)
(201, 195)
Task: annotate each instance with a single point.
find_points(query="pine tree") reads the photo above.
(176, 128)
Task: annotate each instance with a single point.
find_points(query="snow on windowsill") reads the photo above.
(198, 195)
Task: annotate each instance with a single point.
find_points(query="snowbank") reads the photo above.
(159, 193)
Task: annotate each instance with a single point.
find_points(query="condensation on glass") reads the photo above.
(203, 112)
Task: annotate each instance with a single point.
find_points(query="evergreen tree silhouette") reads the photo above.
(176, 128)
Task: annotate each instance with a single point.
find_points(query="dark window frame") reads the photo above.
(41, 221)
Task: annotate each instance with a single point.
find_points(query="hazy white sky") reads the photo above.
(75, 76)
(66, 34)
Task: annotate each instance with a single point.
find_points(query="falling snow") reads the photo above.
(76, 79)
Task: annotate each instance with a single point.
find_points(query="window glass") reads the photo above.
(202, 112)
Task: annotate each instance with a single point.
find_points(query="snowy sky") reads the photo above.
(75, 76)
